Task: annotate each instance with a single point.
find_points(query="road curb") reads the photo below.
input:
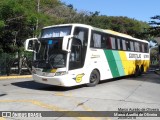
(15, 77)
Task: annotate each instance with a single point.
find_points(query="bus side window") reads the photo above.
(113, 42)
(143, 48)
(82, 34)
(128, 45)
(97, 40)
(92, 41)
(146, 48)
(103, 42)
(123, 44)
(137, 47)
(131, 45)
(108, 42)
(140, 47)
(119, 44)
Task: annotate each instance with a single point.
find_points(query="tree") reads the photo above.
(154, 30)
(18, 20)
(16, 24)
(121, 24)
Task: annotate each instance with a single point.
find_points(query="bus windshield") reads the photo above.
(56, 32)
(50, 54)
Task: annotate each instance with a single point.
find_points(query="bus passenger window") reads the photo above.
(97, 40)
(124, 44)
(119, 44)
(132, 46)
(82, 34)
(128, 45)
(103, 42)
(146, 48)
(113, 42)
(137, 47)
(142, 47)
(108, 42)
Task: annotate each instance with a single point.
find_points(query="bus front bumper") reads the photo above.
(63, 80)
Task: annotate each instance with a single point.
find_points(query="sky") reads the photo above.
(140, 10)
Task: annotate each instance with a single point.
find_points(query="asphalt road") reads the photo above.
(23, 94)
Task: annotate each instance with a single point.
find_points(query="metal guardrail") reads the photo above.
(11, 64)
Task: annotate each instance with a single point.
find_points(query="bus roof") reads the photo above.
(71, 24)
(118, 33)
(99, 29)
(124, 35)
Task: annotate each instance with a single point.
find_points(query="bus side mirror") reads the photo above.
(32, 45)
(66, 44)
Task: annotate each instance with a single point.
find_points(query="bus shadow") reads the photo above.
(113, 79)
(150, 76)
(44, 87)
(147, 77)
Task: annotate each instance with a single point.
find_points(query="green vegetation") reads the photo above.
(154, 30)
(22, 19)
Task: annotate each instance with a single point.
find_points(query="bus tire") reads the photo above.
(94, 78)
(141, 71)
(137, 71)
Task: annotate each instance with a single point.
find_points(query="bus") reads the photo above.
(75, 54)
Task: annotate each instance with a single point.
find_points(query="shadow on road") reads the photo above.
(44, 87)
(113, 79)
(148, 77)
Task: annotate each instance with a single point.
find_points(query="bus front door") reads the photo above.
(75, 61)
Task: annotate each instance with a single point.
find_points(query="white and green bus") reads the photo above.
(74, 54)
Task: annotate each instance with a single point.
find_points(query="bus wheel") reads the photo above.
(137, 71)
(141, 70)
(94, 78)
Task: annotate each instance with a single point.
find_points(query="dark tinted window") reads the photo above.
(137, 46)
(119, 43)
(96, 40)
(82, 34)
(131, 45)
(124, 44)
(107, 41)
(146, 48)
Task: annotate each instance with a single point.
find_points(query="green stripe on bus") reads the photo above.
(119, 63)
(112, 63)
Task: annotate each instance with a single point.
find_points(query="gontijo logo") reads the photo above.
(79, 77)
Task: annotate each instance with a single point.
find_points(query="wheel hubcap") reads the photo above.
(93, 78)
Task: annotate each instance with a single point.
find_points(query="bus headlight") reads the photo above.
(60, 73)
